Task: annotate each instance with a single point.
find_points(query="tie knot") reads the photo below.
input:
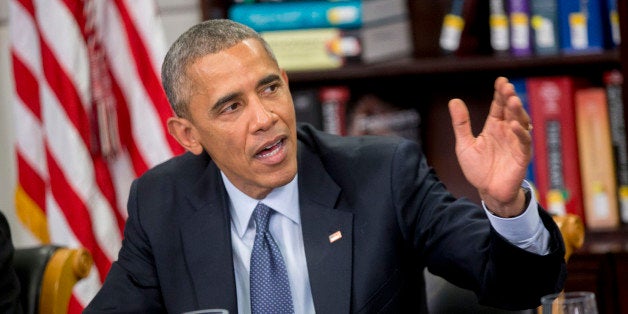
(261, 214)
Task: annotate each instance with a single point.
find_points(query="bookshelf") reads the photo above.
(429, 79)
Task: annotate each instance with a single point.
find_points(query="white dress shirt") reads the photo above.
(285, 227)
(526, 231)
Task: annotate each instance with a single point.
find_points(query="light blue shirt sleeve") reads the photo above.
(526, 230)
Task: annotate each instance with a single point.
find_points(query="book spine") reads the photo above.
(555, 145)
(334, 100)
(374, 11)
(614, 83)
(545, 26)
(498, 24)
(522, 92)
(298, 15)
(452, 27)
(581, 28)
(314, 49)
(386, 41)
(596, 159)
(370, 115)
(519, 13)
(613, 20)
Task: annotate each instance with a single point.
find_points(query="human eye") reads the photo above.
(270, 89)
(228, 108)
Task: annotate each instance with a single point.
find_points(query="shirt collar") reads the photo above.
(284, 200)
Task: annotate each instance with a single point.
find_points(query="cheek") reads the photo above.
(225, 142)
(287, 112)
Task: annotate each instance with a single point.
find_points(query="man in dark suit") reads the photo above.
(355, 220)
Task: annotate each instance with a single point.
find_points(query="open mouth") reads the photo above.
(271, 150)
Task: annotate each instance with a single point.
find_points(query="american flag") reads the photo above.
(90, 117)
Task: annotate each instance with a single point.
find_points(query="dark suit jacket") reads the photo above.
(394, 215)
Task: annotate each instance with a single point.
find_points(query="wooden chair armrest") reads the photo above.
(572, 229)
(65, 268)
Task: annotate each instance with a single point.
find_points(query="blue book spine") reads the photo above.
(613, 23)
(522, 92)
(581, 26)
(298, 15)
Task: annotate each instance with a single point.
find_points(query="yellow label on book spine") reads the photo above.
(556, 202)
(451, 32)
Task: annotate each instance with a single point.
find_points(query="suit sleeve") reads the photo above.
(457, 242)
(131, 285)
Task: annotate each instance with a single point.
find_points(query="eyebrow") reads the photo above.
(229, 97)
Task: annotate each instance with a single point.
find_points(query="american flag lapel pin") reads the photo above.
(335, 236)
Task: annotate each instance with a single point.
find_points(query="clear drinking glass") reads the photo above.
(576, 302)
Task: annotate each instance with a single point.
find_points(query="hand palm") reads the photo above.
(495, 161)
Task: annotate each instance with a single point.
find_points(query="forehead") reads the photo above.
(247, 53)
(245, 60)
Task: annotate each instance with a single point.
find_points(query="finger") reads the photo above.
(524, 140)
(503, 90)
(515, 112)
(460, 121)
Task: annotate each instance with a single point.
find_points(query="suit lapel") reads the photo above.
(209, 261)
(329, 259)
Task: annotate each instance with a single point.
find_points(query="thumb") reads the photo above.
(461, 122)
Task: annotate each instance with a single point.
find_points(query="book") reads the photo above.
(329, 48)
(386, 31)
(614, 82)
(371, 115)
(500, 30)
(519, 13)
(288, 15)
(297, 15)
(334, 102)
(557, 167)
(375, 11)
(522, 92)
(314, 49)
(452, 27)
(544, 24)
(596, 159)
(613, 23)
(580, 25)
(386, 41)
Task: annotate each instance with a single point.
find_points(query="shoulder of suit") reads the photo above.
(349, 148)
(184, 165)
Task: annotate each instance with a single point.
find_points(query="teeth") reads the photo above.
(270, 146)
(270, 152)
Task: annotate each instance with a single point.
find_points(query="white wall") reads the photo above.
(177, 16)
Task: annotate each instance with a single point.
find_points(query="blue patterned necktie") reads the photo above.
(270, 288)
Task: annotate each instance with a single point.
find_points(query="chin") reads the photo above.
(283, 178)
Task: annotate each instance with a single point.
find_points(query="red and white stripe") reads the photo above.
(67, 193)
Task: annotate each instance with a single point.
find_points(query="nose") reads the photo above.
(263, 116)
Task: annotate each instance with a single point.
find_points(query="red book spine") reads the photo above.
(334, 101)
(555, 144)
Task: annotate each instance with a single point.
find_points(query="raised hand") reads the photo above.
(495, 161)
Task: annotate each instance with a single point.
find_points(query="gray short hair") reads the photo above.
(205, 38)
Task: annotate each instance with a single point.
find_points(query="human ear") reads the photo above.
(185, 133)
(284, 75)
